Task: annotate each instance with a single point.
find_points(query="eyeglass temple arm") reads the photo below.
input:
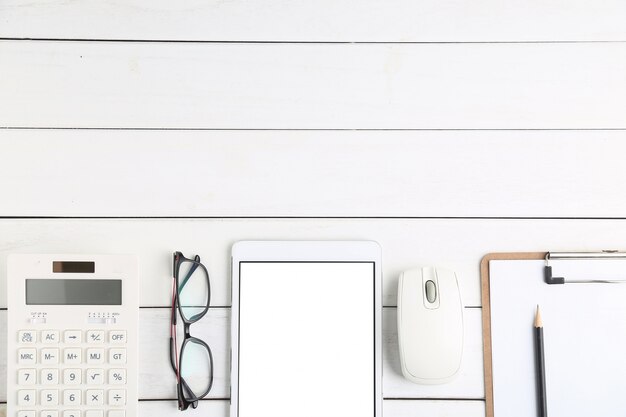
(191, 399)
(189, 273)
(173, 356)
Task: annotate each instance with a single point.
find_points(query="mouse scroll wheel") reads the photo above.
(431, 291)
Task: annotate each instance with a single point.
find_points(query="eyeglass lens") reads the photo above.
(196, 367)
(193, 290)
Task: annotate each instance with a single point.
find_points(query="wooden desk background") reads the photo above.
(443, 131)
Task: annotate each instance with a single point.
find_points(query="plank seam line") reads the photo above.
(175, 399)
(235, 129)
(384, 398)
(229, 307)
(304, 218)
(169, 307)
(433, 399)
(314, 42)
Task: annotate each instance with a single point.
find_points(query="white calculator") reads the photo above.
(72, 335)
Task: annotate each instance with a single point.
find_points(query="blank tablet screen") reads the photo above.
(306, 339)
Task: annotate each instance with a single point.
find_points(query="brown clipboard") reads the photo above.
(486, 304)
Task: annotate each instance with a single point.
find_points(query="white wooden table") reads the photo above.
(442, 131)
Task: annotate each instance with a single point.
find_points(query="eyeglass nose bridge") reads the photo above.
(187, 330)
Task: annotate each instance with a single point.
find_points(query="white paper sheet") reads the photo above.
(584, 338)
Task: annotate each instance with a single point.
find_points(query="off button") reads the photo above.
(117, 336)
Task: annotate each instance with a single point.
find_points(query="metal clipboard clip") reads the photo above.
(605, 254)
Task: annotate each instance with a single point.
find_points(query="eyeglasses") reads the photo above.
(191, 295)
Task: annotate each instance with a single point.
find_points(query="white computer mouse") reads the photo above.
(430, 325)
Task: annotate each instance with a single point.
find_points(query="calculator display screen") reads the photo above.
(73, 292)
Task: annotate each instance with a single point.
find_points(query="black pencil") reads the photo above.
(540, 369)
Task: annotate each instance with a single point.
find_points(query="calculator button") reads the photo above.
(50, 356)
(95, 355)
(72, 355)
(94, 413)
(49, 376)
(94, 397)
(96, 320)
(117, 396)
(27, 356)
(117, 376)
(117, 355)
(27, 376)
(71, 376)
(72, 336)
(49, 413)
(71, 397)
(95, 336)
(95, 376)
(27, 336)
(49, 397)
(71, 413)
(26, 397)
(117, 336)
(50, 336)
(116, 413)
(37, 320)
(25, 413)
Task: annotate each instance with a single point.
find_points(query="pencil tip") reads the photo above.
(538, 322)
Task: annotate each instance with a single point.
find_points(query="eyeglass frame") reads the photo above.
(176, 362)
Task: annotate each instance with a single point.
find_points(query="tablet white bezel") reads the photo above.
(313, 251)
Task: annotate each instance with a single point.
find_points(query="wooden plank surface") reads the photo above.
(313, 86)
(156, 380)
(433, 408)
(313, 173)
(323, 20)
(391, 408)
(213, 408)
(458, 244)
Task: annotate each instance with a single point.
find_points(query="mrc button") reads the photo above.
(27, 356)
(117, 336)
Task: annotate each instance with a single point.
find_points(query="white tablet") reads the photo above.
(306, 329)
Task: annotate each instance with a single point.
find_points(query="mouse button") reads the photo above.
(430, 288)
(431, 291)
(448, 284)
(410, 295)
(410, 281)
